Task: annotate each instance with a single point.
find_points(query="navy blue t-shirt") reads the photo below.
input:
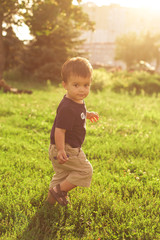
(72, 117)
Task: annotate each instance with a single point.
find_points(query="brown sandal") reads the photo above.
(60, 196)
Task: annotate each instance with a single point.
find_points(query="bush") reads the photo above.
(17, 75)
(12, 75)
(101, 79)
(50, 71)
(136, 82)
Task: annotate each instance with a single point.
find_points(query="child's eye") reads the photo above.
(75, 85)
(86, 85)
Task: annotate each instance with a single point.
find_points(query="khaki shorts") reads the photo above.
(77, 170)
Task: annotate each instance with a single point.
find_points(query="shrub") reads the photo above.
(101, 79)
(49, 71)
(136, 82)
(12, 75)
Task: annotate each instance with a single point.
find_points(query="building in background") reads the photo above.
(111, 22)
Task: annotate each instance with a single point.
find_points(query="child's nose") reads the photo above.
(82, 88)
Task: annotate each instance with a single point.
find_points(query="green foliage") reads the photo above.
(14, 76)
(8, 10)
(131, 48)
(123, 201)
(136, 83)
(56, 26)
(13, 50)
(101, 79)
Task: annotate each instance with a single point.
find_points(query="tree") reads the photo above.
(13, 48)
(126, 48)
(8, 10)
(56, 27)
(131, 48)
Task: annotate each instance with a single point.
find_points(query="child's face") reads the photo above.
(77, 88)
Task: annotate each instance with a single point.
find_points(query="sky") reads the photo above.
(151, 4)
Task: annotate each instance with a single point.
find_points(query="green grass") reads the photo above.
(123, 201)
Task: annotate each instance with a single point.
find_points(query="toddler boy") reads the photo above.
(69, 162)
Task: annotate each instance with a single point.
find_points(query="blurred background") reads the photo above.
(37, 36)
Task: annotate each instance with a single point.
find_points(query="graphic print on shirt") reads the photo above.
(83, 116)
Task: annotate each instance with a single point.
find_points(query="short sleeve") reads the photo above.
(65, 118)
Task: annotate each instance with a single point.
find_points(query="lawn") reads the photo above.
(123, 201)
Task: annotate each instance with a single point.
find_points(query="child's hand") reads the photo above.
(92, 116)
(62, 157)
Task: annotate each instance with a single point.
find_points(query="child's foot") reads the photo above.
(59, 196)
(51, 199)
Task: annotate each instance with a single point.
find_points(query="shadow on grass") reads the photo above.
(45, 223)
(52, 222)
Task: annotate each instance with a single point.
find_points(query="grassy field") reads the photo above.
(123, 201)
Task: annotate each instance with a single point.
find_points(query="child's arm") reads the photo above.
(92, 116)
(60, 145)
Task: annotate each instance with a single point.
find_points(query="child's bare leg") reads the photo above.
(66, 186)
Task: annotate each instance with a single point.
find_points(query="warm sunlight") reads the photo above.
(22, 32)
(154, 4)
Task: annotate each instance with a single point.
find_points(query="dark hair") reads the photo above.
(77, 66)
